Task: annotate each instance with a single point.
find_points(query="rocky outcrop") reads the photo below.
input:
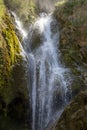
(73, 41)
(26, 10)
(73, 29)
(34, 39)
(14, 97)
(74, 116)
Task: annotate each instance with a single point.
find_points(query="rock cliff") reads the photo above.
(74, 116)
(14, 98)
(72, 18)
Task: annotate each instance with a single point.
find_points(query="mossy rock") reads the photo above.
(74, 116)
(10, 58)
(72, 29)
(26, 10)
(35, 40)
(71, 17)
(13, 78)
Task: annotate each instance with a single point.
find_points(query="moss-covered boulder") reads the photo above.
(74, 116)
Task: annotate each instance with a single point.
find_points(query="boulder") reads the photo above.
(74, 116)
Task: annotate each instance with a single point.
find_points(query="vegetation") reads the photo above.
(14, 104)
(13, 90)
(72, 19)
(2, 9)
(26, 10)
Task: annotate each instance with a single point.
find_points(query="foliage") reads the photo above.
(11, 62)
(2, 9)
(13, 83)
(73, 17)
(26, 10)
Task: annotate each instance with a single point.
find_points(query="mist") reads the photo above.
(46, 5)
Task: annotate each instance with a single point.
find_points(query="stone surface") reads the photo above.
(73, 41)
(14, 97)
(74, 116)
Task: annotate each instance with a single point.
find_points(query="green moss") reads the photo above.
(26, 10)
(13, 83)
(69, 6)
(10, 58)
(2, 9)
(12, 44)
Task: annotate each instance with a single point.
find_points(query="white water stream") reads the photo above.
(48, 79)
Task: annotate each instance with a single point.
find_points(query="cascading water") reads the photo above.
(49, 85)
(48, 79)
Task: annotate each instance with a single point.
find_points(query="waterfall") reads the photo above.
(19, 26)
(48, 79)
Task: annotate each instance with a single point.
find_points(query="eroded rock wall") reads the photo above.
(14, 97)
(72, 18)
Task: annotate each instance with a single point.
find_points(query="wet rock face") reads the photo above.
(26, 10)
(15, 115)
(35, 40)
(73, 40)
(85, 77)
(14, 97)
(2, 106)
(54, 27)
(73, 46)
(18, 110)
(74, 116)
